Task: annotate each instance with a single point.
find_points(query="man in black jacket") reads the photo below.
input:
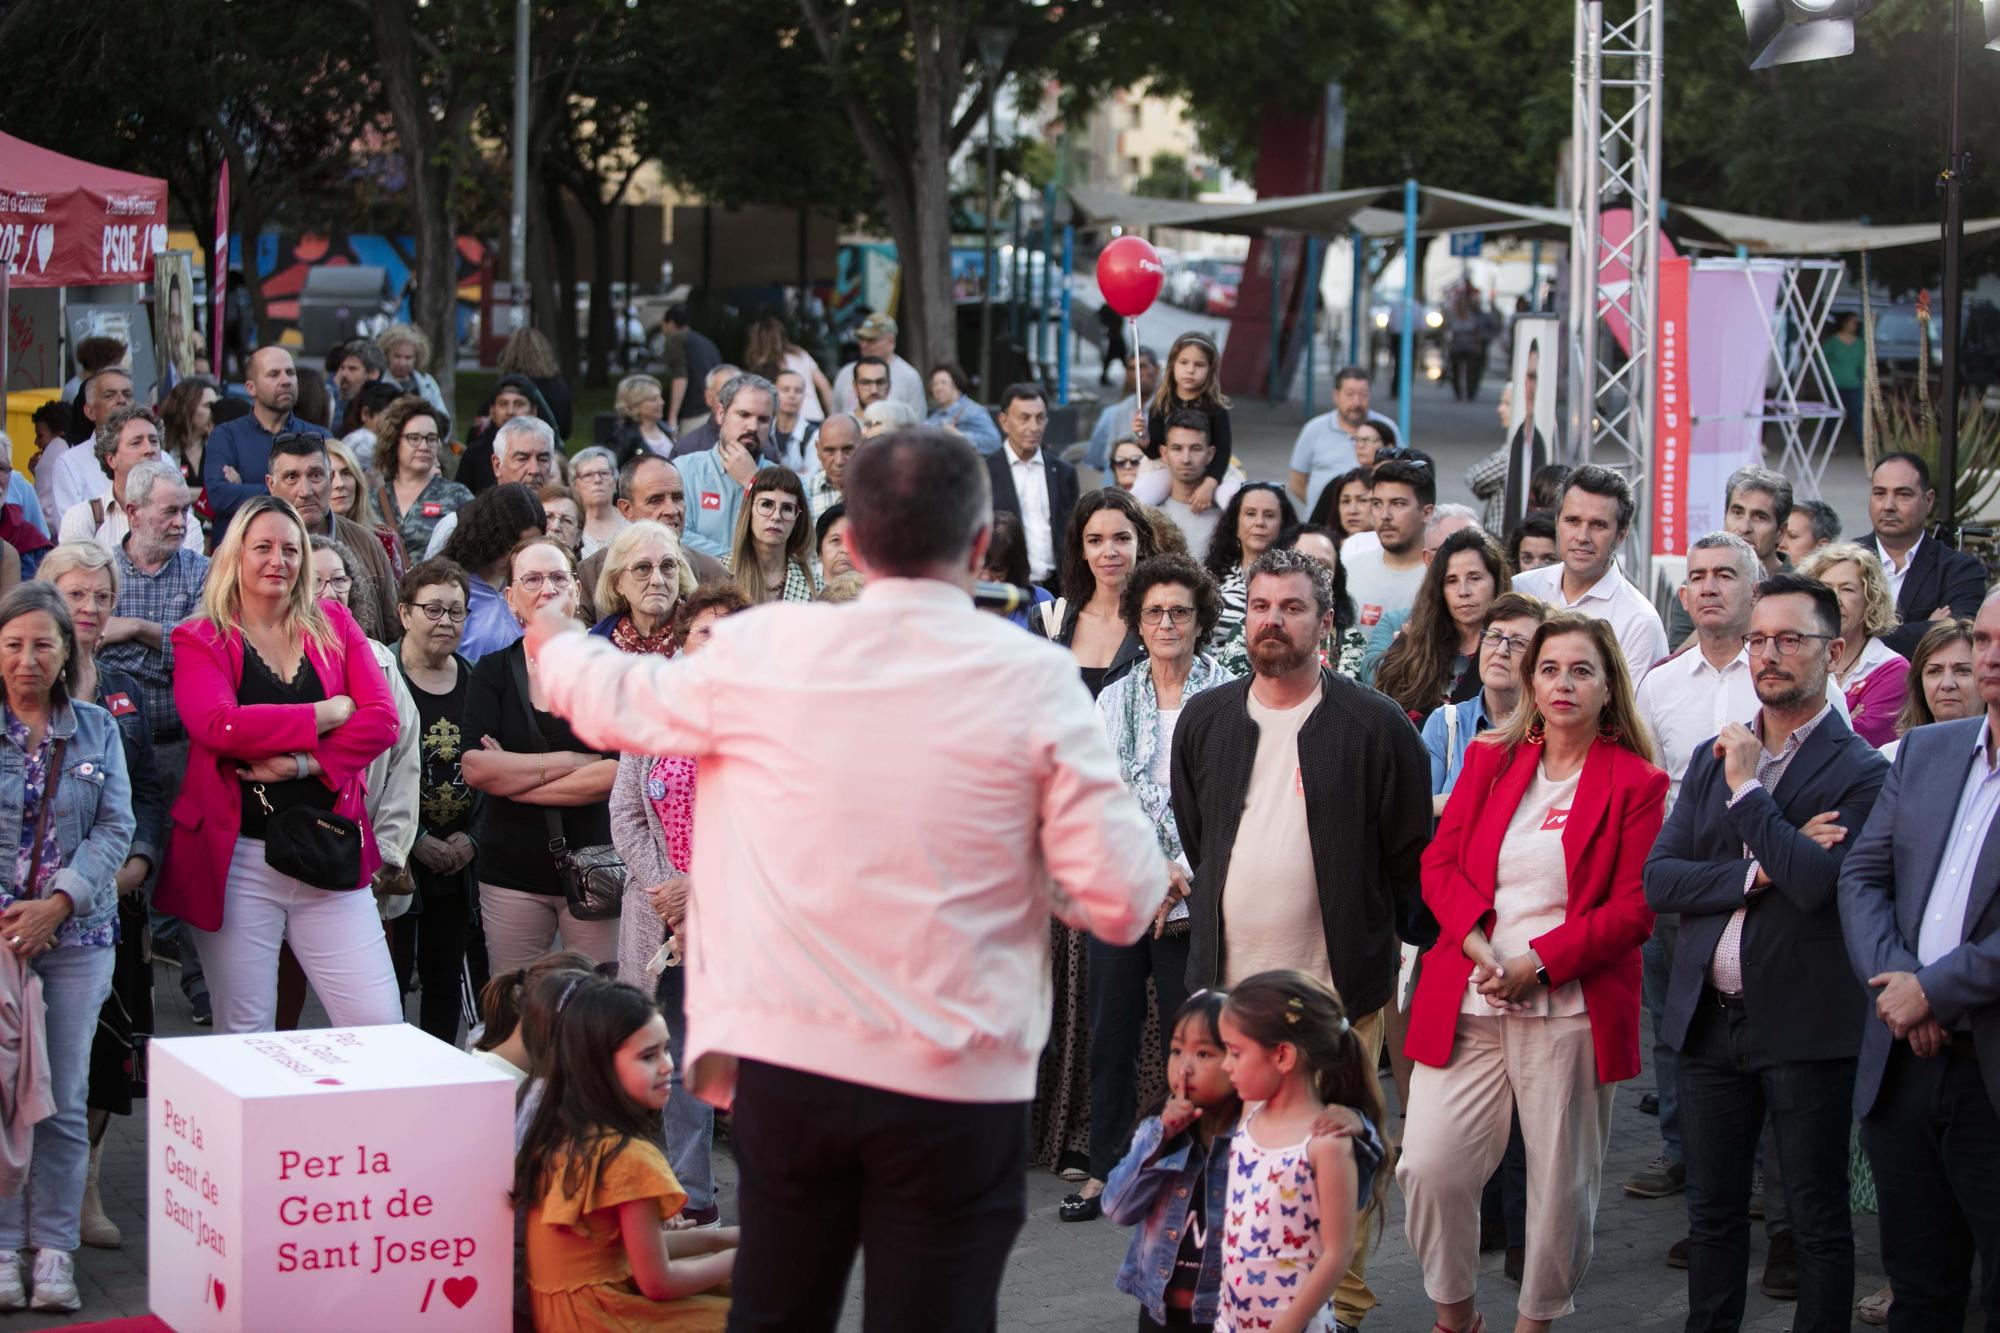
(1762, 1006)
(1303, 803)
(1032, 483)
(1931, 582)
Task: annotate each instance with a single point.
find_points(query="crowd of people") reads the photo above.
(1357, 782)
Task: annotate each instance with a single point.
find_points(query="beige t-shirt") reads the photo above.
(1531, 891)
(1270, 902)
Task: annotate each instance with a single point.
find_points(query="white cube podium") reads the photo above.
(352, 1180)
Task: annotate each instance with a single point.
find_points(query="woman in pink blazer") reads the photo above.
(1530, 997)
(284, 707)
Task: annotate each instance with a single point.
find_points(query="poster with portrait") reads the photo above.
(1533, 444)
(176, 341)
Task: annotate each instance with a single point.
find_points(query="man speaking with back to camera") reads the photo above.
(873, 987)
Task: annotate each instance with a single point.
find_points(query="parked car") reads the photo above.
(1222, 290)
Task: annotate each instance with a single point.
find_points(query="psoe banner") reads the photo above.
(346, 1181)
(1672, 424)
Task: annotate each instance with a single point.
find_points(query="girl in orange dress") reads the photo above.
(598, 1187)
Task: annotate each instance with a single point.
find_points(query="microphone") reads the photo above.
(1002, 598)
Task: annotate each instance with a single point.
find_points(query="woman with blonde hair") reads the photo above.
(641, 403)
(408, 349)
(1869, 670)
(644, 577)
(285, 708)
(1530, 996)
(772, 556)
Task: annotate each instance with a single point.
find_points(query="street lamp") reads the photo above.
(993, 44)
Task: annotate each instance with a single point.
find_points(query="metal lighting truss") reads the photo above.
(1615, 158)
(1799, 400)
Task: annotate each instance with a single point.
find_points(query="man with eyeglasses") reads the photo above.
(302, 476)
(1687, 701)
(876, 337)
(717, 479)
(160, 582)
(1762, 1006)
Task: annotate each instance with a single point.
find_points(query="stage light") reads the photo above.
(1785, 32)
(1992, 8)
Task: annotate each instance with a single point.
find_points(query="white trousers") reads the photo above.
(520, 927)
(337, 938)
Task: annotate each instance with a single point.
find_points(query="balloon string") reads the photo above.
(1138, 388)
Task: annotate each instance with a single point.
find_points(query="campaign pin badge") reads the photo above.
(711, 500)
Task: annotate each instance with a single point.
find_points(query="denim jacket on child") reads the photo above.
(1151, 1193)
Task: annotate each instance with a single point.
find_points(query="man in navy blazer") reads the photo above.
(1919, 907)
(1931, 581)
(1033, 483)
(1761, 1005)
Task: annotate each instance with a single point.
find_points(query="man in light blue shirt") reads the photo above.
(1920, 917)
(717, 478)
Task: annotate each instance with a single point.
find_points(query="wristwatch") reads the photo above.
(1542, 975)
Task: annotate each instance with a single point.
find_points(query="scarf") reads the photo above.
(626, 638)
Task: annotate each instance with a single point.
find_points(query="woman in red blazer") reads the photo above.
(284, 706)
(1531, 995)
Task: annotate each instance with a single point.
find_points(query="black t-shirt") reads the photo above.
(260, 685)
(514, 838)
(444, 802)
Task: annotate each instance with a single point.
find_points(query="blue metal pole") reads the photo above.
(1306, 324)
(1048, 266)
(1410, 280)
(1274, 251)
(1357, 326)
(1062, 337)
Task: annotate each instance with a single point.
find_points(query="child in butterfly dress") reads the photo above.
(1296, 1201)
(1174, 1181)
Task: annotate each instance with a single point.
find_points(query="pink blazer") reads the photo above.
(207, 818)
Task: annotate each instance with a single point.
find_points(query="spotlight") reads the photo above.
(1992, 8)
(1784, 32)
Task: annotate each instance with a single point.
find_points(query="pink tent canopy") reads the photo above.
(66, 223)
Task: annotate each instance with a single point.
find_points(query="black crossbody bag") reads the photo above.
(593, 878)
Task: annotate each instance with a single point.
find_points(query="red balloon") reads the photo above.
(1129, 274)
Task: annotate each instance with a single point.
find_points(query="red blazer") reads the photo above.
(209, 814)
(1619, 805)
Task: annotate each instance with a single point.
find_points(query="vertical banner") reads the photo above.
(1671, 422)
(219, 279)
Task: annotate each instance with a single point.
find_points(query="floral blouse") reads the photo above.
(32, 790)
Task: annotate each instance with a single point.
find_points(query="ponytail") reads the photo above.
(500, 1003)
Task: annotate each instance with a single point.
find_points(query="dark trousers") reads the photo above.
(933, 1192)
(1728, 1082)
(1506, 1194)
(1934, 1143)
(429, 947)
(1117, 1030)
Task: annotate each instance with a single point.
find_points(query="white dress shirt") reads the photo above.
(1612, 598)
(947, 785)
(45, 479)
(1944, 910)
(1685, 702)
(1031, 485)
(1889, 570)
(77, 477)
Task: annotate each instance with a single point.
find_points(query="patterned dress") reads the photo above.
(1270, 1237)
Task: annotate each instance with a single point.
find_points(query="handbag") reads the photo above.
(313, 846)
(593, 878)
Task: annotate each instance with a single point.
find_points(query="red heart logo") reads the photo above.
(334, 1081)
(459, 1290)
(221, 1293)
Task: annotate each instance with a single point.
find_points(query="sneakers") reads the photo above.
(696, 1219)
(13, 1293)
(1662, 1177)
(55, 1282)
(204, 1011)
(1781, 1269)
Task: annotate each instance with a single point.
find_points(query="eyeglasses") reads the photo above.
(769, 508)
(1507, 645)
(1787, 644)
(1178, 615)
(871, 384)
(436, 611)
(536, 582)
(644, 570)
(338, 583)
(595, 474)
(430, 440)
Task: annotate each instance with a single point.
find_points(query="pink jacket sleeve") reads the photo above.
(347, 750)
(1873, 706)
(205, 696)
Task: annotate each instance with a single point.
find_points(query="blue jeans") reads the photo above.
(1729, 1081)
(688, 1121)
(47, 1216)
(1657, 962)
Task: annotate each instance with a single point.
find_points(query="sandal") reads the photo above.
(1075, 1175)
(1875, 1309)
(1478, 1325)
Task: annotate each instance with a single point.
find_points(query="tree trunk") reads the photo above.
(603, 326)
(549, 221)
(562, 311)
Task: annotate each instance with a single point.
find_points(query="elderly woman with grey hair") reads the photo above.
(884, 415)
(408, 350)
(593, 479)
(65, 780)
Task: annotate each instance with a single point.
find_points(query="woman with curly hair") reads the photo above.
(410, 488)
(772, 557)
(1257, 518)
(408, 350)
(1435, 658)
(1869, 670)
(490, 528)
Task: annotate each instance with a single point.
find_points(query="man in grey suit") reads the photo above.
(1921, 915)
